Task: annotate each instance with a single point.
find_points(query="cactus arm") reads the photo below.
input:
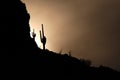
(42, 30)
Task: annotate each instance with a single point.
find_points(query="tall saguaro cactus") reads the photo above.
(42, 37)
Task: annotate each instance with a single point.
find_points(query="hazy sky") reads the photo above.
(89, 28)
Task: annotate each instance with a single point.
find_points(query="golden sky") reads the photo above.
(89, 28)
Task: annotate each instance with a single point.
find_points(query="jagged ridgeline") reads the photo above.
(16, 41)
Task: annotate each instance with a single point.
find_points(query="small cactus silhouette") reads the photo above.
(42, 37)
(33, 34)
(69, 53)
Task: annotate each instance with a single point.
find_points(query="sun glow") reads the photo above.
(79, 25)
(36, 19)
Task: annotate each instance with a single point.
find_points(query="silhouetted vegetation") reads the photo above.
(22, 58)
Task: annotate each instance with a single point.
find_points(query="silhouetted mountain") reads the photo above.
(22, 58)
(15, 29)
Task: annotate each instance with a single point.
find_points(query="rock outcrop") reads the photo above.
(15, 30)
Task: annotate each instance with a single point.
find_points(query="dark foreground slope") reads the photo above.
(50, 65)
(21, 58)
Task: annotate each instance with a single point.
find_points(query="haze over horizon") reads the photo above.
(89, 28)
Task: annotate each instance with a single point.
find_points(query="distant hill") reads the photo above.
(22, 58)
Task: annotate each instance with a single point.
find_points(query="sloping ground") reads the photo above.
(55, 65)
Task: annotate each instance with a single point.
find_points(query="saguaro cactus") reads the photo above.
(42, 37)
(33, 34)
